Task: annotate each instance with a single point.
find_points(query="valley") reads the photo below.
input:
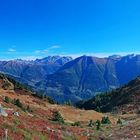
(65, 79)
(69, 69)
(33, 119)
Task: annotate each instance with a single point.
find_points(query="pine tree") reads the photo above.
(6, 99)
(17, 103)
(91, 123)
(105, 120)
(57, 117)
(98, 124)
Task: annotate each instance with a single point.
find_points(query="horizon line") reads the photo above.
(73, 56)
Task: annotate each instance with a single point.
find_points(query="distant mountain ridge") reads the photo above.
(30, 72)
(65, 79)
(84, 77)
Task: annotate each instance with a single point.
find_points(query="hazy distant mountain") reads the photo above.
(31, 72)
(86, 76)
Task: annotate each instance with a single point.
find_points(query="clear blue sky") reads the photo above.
(37, 28)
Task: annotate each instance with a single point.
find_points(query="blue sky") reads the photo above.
(37, 28)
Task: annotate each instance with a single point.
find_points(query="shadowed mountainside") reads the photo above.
(86, 76)
(125, 99)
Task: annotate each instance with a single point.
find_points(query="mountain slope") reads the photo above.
(65, 79)
(86, 76)
(8, 83)
(125, 99)
(31, 118)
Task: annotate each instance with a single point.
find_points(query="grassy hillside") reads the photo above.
(33, 118)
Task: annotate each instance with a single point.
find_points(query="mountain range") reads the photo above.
(31, 72)
(65, 79)
(86, 76)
